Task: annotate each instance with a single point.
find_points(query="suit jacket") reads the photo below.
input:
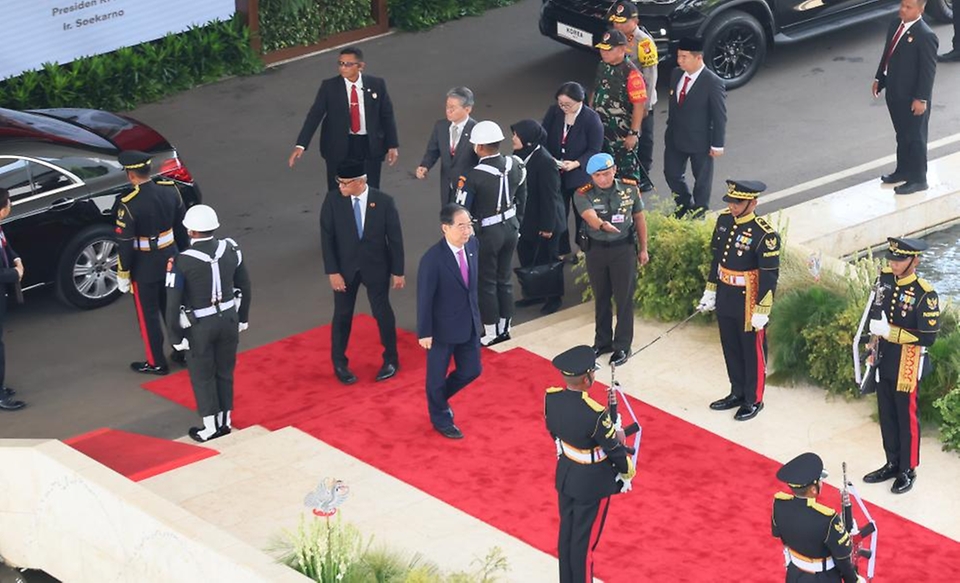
(447, 309)
(378, 255)
(584, 139)
(8, 274)
(451, 167)
(701, 122)
(543, 210)
(912, 65)
(331, 108)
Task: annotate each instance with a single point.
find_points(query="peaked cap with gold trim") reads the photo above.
(577, 361)
(738, 190)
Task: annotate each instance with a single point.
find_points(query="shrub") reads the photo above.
(423, 14)
(949, 407)
(289, 23)
(797, 317)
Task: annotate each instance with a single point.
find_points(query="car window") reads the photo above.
(15, 177)
(44, 178)
(86, 168)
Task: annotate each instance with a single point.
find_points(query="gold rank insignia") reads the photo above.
(771, 243)
(120, 214)
(839, 527)
(607, 422)
(932, 322)
(932, 302)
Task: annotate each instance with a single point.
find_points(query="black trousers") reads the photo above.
(441, 387)
(211, 361)
(701, 165)
(613, 277)
(645, 145)
(911, 138)
(581, 524)
(564, 238)
(150, 301)
(3, 348)
(899, 422)
(378, 293)
(956, 30)
(358, 149)
(498, 243)
(745, 355)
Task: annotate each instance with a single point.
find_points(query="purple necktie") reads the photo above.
(462, 260)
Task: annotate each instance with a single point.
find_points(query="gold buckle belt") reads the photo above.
(731, 277)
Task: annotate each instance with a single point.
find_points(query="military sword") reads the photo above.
(664, 334)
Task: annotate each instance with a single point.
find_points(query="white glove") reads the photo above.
(184, 345)
(708, 302)
(243, 326)
(860, 579)
(123, 284)
(880, 327)
(759, 321)
(627, 483)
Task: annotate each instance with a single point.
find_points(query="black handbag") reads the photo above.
(541, 281)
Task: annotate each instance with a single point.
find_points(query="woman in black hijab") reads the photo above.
(543, 216)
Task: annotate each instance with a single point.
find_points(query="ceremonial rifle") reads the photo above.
(858, 536)
(867, 381)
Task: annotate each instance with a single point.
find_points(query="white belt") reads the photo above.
(209, 311)
(495, 219)
(811, 567)
(163, 240)
(582, 456)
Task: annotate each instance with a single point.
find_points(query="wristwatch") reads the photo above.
(633, 133)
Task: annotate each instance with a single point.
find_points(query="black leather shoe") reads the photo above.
(8, 404)
(748, 412)
(904, 482)
(619, 358)
(7, 392)
(552, 305)
(146, 368)
(194, 434)
(729, 402)
(601, 350)
(500, 338)
(911, 187)
(882, 475)
(949, 57)
(452, 432)
(386, 371)
(344, 375)
(178, 357)
(527, 302)
(893, 178)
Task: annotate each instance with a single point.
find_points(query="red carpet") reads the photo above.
(699, 512)
(137, 457)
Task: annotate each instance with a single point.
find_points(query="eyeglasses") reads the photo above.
(346, 182)
(566, 104)
(347, 63)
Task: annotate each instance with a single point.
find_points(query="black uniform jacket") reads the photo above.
(813, 530)
(479, 191)
(912, 308)
(543, 210)
(743, 244)
(148, 211)
(912, 65)
(576, 419)
(378, 255)
(190, 283)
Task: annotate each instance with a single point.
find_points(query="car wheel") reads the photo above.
(87, 271)
(734, 47)
(940, 10)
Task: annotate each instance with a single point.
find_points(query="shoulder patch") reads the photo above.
(763, 224)
(825, 510)
(130, 196)
(924, 284)
(585, 188)
(461, 182)
(552, 390)
(783, 496)
(593, 404)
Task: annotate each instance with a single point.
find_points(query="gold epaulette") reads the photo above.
(130, 196)
(763, 224)
(585, 188)
(886, 270)
(593, 404)
(924, 284)
(783, 496)
(166, 182)
(555, 390)
(825, 510)
(629, 181)
(725, 212)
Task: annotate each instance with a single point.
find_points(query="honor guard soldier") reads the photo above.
(816, 546)
(208, 306)
(149, 232)
(620, 99)
(740, 287)
(906, 317)
(592, 464)
(495, 192)
(612, 212)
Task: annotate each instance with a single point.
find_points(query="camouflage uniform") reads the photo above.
(618, 89)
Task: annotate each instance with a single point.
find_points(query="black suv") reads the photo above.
(735, 33)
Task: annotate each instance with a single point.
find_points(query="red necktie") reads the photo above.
(683, 90)
(893, 45)
(354, 110)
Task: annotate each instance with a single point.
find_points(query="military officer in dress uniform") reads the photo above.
(740, 287)
(149, 232)
(816, 545)
(592, 464)
(612, 211)
(495, 192)
(620, 99)
(208, 305)
(906, 317)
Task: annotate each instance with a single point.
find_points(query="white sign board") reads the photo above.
(41, 31)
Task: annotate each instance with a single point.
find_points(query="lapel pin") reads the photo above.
(374, 95)
(909, 39)
(373, 205)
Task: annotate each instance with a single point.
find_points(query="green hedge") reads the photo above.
(422, 14)
(290, 23)
(127, 77)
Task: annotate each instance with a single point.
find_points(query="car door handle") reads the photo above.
(62, 203)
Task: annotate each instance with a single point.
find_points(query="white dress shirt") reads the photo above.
(363, 117)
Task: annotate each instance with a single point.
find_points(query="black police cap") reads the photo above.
(577, 361)
(802, 470)
(611, 39)
(738, 190)
(690, 44)
(134, 159)
(903, 248)
(348, 169)
(623, 11)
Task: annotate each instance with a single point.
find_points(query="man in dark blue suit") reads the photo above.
(448, 315)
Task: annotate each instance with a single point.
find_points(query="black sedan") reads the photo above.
(60, 166)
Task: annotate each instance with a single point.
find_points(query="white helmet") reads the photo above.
(201, 218)
(486, 132)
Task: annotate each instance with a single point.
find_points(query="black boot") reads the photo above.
(888, 471)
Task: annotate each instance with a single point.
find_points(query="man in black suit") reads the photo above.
(448, 315)
(362, 244)
(11, 272)
(450, 143)
(357, 117)
(907, 69)
(953, 55)
(696, 126)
